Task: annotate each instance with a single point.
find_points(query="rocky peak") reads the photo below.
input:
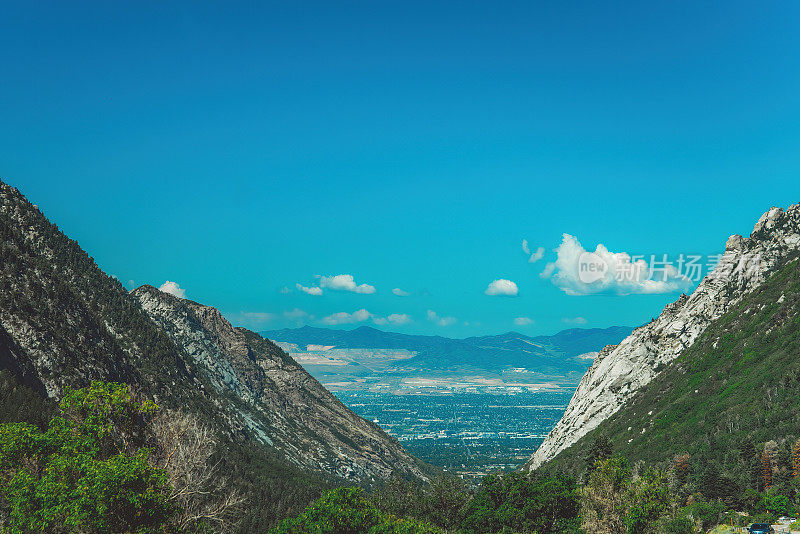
(619, 371)
(279, 403)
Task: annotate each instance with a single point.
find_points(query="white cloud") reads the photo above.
(173, 289)
(441, 321)
(574, 320)
(399, 318)
(502, 287)
(345, 282)
(523, 321)
(534, 256)
(548, 270)
(537, 255)
(347, 318)
(400, 293)
(578, 272)
(316, 291)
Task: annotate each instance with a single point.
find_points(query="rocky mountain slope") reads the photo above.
(282, 404)
(727, 399)
(620, 371)
(63, 322)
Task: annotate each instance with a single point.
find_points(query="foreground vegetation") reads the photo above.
(72, 466)
(614, 497)
(103, 461)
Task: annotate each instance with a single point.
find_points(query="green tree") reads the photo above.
(706, 513)
(444, 501)
(603, 498)
(649, 498)
(87, 472)
(753, 502)
(777, 504)
(600, 449)
(348, 511)
(517, 502)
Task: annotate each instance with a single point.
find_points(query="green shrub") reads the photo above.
(517, 502)
(649, 498)
(348, 511)
(679, 525)
(85, 473)
(777, 504)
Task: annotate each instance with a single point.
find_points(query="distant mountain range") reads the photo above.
(558, 354)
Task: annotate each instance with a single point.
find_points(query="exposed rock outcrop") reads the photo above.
(619, 371)
(280, 403)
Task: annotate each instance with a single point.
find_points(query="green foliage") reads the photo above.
(517, 502)
(777, 504)
(706, 513)
(277, 488)
(510, 502)
(603, 498)
(617, 500)
(441, 503)
(87, 471)
(600, 449)
(348, 511)
(649, 500)
(753, 502)
(679, 525)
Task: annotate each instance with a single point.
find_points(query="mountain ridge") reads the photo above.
(620, 371)
(64, 322)
(724, 405)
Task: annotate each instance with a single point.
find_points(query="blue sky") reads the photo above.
(240, 149)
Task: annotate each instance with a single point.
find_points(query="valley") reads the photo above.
(469, 434)
(469, 406)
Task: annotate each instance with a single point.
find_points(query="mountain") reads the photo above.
(620, 372)
(63, 323)
(730, 396)
(550, 355)
(280, 404)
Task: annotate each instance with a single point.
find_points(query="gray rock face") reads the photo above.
(279, 402)
(620, 370)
